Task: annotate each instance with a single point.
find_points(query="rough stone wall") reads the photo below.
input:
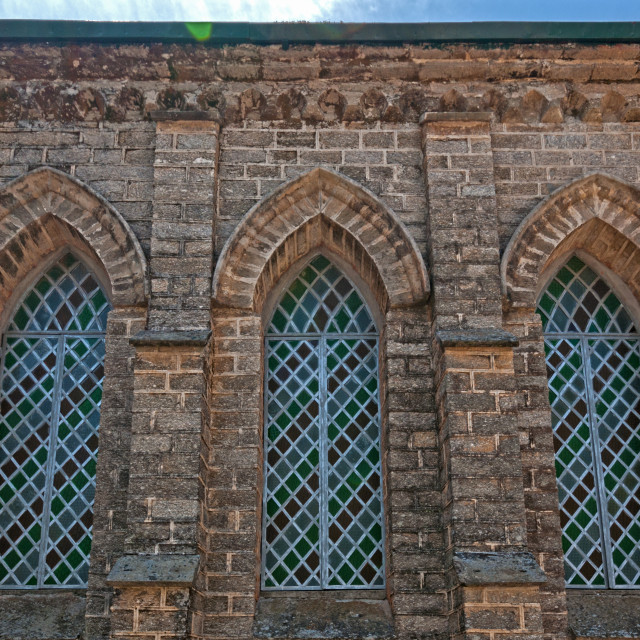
(145, 126)
(531, 161)
(115, 159)
(384, 158)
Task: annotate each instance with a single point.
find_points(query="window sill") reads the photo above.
(39, 614)
(323, 614)
(606, 613)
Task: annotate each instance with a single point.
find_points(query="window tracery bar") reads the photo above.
(51, 389)
(593, 366)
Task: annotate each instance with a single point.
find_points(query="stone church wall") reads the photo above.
(229, 165)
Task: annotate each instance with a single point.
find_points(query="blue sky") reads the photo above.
(323, 10)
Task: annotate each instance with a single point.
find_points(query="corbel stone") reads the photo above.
(161, 570)
(152, 593)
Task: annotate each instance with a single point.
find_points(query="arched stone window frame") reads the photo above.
(44, 214)
(596, 217)
(319, 212)
(571, 218)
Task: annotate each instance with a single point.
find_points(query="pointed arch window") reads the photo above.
(323, 525)
(50, 393)
(593, 366)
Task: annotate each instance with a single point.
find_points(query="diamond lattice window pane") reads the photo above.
(66, 298)
(321, 300)
(292, 488)
(578, 300)
(355, 546)
(51, 384)
(28, 383)
(71, 513)
(615, 365)
(593, 363)
(581, 539)
(323, 512)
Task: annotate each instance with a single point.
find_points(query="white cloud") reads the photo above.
(318, 10)
(169, 10)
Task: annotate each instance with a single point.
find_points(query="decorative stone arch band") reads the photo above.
(46, 209)
(598, 213)
(320, 209)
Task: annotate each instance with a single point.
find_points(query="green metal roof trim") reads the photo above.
(220, 33)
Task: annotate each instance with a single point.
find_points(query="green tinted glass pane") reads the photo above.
(574, 461)
(354, 479)
(25, 443)
(320, 298)
(65, 294)
(616, 388)
(292, 452)
(69, 535)
(578, 300)
(605, 402)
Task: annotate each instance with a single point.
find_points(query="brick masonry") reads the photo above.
(448, 181)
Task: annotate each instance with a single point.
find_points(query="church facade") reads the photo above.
(319, 331)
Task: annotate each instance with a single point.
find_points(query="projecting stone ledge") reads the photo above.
(159, 570)
(455, 116)
(478, 568)
(476, 338)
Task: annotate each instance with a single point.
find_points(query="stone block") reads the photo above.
(157, 570)
(506, 568)
(41, 616)
(323, 617)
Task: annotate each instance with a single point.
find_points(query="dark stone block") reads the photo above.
(476, 338)
(604, 613)
(459, 116)
(476, 568)
(195, 338)
(42, 615)
(175, 116)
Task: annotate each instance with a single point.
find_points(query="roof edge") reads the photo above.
(289, 33)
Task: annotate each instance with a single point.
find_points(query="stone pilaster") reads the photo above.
(476, 397)
(181, 264)
(163, 504)
(476, 393)
(226, 585)
(462, 221)
(411, 462)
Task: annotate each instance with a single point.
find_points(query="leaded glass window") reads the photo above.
(50, 393)
(323, 514)
(593, 365)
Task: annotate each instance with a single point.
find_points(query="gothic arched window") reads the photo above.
(593, 365)
(323, 524)
(50, 393)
